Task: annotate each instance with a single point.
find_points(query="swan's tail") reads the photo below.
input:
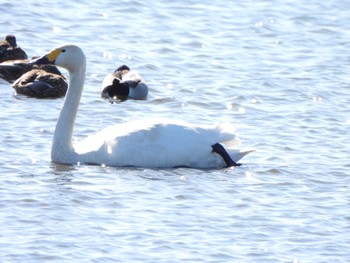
(231, 142)
(238, 155)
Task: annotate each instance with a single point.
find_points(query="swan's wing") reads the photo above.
(224, 133)
(156, 144)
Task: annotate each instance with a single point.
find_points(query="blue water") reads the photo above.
(278, 70)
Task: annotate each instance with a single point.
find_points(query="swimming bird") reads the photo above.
(44, 82)
(9, 49)
(11, 70)
(145, 143)
(124, 84)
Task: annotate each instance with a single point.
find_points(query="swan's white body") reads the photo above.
(148, 143)
(152, 143)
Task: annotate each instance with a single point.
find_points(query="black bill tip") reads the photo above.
(41, 61)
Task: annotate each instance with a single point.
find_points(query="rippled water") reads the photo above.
(278, 70)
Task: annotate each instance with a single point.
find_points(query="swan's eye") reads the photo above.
(63, 50)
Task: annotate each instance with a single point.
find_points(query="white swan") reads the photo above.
(143, 143)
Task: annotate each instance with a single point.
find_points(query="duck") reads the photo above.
(43, 82)
(9, 50)
(147, 143)
(11, 70)
(124, 84)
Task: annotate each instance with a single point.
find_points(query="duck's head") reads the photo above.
(11, 39)
(70, 57)
(122, 69)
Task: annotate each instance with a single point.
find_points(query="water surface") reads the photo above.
(278, 71)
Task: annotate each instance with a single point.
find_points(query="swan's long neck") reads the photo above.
(62, 149)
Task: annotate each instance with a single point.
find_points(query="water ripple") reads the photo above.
(276, 70)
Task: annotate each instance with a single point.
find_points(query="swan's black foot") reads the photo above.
(219, 149)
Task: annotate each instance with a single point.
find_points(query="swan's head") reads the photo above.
(70, 57)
